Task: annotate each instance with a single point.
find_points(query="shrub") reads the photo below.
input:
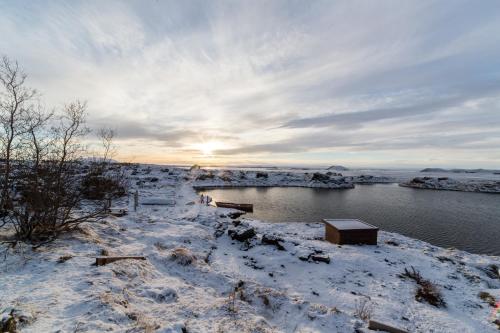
(487, 297)
(41, 176)
(261, 175)
(319, 177)
(363, 309)
(97, 185)
(194, 167)
(426, 291)
(182, 256)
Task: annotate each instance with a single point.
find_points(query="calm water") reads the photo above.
(467, 221)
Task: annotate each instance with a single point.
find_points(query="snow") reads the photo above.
(450, 184)
(228, 178)
(198, 279)
(348, 224)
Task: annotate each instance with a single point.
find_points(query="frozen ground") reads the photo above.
(287, 279)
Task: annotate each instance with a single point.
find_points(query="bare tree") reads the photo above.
(43, 179)
(16, 102)
(107, 135)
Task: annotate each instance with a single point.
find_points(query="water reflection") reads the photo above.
(469, 221)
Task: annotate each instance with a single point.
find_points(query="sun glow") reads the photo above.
(208, 148)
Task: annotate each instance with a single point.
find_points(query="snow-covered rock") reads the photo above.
(228, 178)
(337, 168)
(450, 184)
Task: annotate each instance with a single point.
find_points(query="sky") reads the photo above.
(356, 83)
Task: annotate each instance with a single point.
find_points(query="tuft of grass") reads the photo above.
(426, 291)
(65, 258)
(363, 309)
(183, 256)
(487, 297)
(238, 291)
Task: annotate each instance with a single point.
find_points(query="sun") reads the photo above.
(208, 148)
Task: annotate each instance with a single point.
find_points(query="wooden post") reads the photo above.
(378, 326)
(136, 199)
(101, 261)
(107, 204)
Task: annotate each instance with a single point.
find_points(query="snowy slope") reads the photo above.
(193, 266)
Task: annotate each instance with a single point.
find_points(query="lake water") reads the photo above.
(464, 220)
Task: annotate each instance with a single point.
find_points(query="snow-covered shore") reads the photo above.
(450, 184)
(207, 271)
(230, 178)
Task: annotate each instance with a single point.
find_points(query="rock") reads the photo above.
(314, 256)
(241, 234)
(248, 244)
(8, 324)
(64, 258)
(304, 257)
(492, 271)
(11, 319)
(235, 215)
(444, 259)
(273, 240)
(320, 258)
(319, 177)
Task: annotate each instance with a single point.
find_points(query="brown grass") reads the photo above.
(183, 256)
(426, 291)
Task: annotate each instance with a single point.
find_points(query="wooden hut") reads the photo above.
(350, 231)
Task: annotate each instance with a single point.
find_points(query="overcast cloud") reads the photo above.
(387, 83)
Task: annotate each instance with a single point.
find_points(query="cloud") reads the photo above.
(430, 104)
(267, 78)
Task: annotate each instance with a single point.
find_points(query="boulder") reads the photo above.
(273, 240)
(241, 235)
(320, 258)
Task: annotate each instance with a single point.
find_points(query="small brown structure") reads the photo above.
(243, 207)
(350, 231)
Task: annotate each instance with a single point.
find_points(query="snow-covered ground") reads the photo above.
(286, 277)
(244, 178)
(450, 184)
(228, 178)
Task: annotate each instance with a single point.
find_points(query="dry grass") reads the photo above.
(487, 297)
(237, 292)
(183, 256)
(65, 258)
(426, 291)
(363, 309)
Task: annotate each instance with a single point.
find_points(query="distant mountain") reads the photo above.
(337, 168)
(461, 170)
(434, 170)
